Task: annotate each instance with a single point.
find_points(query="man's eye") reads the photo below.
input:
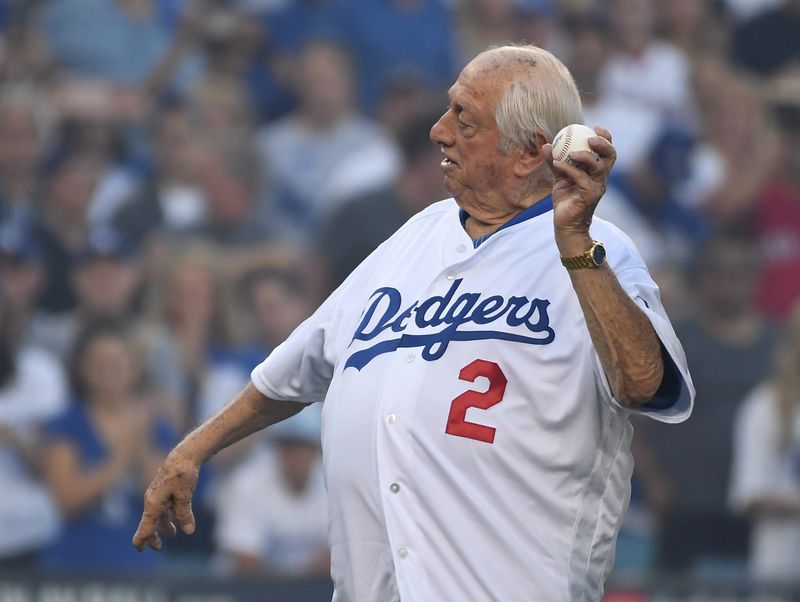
(461, 124)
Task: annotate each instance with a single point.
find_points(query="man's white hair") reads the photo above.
(541, 100)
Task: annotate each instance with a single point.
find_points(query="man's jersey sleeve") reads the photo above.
(300, 369)
(674, 400)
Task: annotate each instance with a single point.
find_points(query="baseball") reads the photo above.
(574, 137)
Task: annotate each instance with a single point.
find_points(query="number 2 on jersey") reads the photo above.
(457, 423)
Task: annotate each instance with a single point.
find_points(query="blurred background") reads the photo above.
(182, 182)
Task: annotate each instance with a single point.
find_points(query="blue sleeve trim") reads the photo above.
(671, 387)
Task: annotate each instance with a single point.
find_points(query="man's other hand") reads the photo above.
(168, 499)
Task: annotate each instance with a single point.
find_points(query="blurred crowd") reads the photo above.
(182, 182)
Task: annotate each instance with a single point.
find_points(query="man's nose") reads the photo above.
(441, 133)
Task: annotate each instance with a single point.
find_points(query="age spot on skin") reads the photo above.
(493, 174)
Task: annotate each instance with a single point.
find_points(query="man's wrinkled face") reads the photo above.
(476, 172)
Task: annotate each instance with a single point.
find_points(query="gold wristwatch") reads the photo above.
(593, 258)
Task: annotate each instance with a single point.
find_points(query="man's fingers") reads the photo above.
(601, 131)
(604, 149)
(154, 541)
(587, 161)
(576, 174)
(146, 534)
(147, 526)
(156, 511)
(184, 515)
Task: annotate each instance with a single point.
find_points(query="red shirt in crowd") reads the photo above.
(778, 232)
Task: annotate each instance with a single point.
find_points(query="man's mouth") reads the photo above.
(447, 162)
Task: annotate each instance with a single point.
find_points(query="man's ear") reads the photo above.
(530, 158)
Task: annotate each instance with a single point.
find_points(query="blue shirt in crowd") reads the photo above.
(100, 537)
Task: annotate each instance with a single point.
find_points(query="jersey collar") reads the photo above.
(538, 208)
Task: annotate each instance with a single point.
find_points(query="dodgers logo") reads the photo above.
(448, 314)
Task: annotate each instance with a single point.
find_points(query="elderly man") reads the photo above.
(511, 488)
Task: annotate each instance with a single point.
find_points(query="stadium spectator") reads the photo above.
(61, 226)
(325, 151)
(697, 27)
(32, 391)
(104, 280)
(220, 109)
(171, 201)
(724, 184)
(126, 45)
(25, 130)
(765, 483)
(777, 221)
(277, 299)
(103, 140)
(107, 283)
(31, 61)
(729, 344)
(244, 43)
(273, 518)
(21, 280)
(190, 303)
(643, 68)
(99, 452)
(228, 180)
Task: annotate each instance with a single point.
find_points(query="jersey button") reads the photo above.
(394, 487)
(402, 553)
(461, 248)
(451, 276)
(391, 418)
(410, 357)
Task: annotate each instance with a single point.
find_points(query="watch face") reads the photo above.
(598, 254)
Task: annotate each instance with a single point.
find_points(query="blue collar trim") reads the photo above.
(538, 208)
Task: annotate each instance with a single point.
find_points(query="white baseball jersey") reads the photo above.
(473, 450)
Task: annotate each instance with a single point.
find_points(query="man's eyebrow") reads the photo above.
(459, 107)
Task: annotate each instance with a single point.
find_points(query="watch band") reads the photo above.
(589, 259)
(576, 263)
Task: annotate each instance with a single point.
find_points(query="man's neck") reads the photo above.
(478, 227)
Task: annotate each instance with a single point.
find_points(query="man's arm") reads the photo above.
(625, 340)
(170, 492)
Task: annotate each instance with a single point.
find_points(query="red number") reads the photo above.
(456, 422)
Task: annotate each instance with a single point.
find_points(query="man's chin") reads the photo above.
(450, 186)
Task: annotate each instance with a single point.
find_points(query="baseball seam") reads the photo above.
(565, 147)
